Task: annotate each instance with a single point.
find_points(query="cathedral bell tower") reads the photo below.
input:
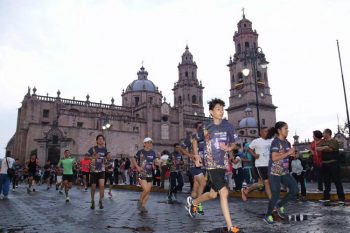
(188, 91)
(244, 88)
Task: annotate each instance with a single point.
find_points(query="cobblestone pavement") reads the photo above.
(46, 211)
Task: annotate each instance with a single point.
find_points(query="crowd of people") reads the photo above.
(215, 161)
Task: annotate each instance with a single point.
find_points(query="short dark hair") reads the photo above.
(197, 124)
(100, 135)
(176, 144)
(328, 131)
(318, 134)
(65, 151)
(214, 102)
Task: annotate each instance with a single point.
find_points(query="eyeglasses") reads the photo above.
(150, 142)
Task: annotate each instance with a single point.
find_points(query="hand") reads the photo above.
(224, 147)
(291, 152)
(257, 156)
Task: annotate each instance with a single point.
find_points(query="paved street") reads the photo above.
(46, 211)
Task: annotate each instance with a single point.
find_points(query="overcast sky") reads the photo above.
(97, 47)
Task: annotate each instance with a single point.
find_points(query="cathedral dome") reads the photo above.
(248, 121)
(142, 83)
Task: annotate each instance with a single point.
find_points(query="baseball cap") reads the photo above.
(147, 139)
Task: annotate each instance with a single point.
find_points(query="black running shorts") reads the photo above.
(68, 178)
(263, 172)
(216, 178)
(96, 176)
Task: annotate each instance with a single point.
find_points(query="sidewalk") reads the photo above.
(311, 189)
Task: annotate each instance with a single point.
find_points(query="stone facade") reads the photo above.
(52, 124)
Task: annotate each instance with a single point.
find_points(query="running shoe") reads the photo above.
(192, 209)
(341, 203)
(86, 189)
(48, 188)
(67, 199)
(100, 205)
(60, 192)
(28, 190)
(33, 190)
(56, 187)
(281, 213)
(110, 194)
(92, 206)
(200, 209)
(269, 219)
(13, 190)
(233, 229)
(139, 206)
(143, 210)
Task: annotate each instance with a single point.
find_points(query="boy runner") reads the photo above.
(219, 139)
(97, 169)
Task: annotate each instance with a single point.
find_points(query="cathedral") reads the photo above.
(47, 125)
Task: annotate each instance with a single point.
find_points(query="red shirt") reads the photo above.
(317, 155)
(85, 165)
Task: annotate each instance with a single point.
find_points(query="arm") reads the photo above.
(276, 156)
(252, 152)
(134, 163)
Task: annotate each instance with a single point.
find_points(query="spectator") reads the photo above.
(247, 160)
(116, 171)
(237, 170)
(126, 171)
(164, 167)
(18, 168)
(317, 159)
(298, 174)
(5, 179)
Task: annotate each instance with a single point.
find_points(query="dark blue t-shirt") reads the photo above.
(177, 159)
(97, 165)
(216, 158)
(145, 159)
(281, 167)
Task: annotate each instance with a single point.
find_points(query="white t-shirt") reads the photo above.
(10, 161)
(261, 147)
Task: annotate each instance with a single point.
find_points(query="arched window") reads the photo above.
(265, 76)
(194, 99)
(188, 97)
(186, 74)
(254, 44)
(258, 75)
(233, 78)
(240, 77)
(246, 45)
(180, 100)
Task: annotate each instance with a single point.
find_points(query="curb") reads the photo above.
(254, 194)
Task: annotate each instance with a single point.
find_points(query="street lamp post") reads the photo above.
(255, 57)
(106, 125)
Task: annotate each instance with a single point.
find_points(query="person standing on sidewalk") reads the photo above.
(97, 170)
(164, 167)
(67, 163)
(144, 161)
(219, 136)
(298, 173)
(5, 178)
(330, 167)
(109, 172)
(279, 172)
(317, 159)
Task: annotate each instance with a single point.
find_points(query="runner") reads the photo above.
(59, 183)
(144, 161)
(15, 179)
(197, 164)
(31, 166)
(47, 175)
(85, 169)
(280, 152)
(97, 170)
(260, 149)
(67, 162)
(175, 163)
(109, 172)
(219, 138)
